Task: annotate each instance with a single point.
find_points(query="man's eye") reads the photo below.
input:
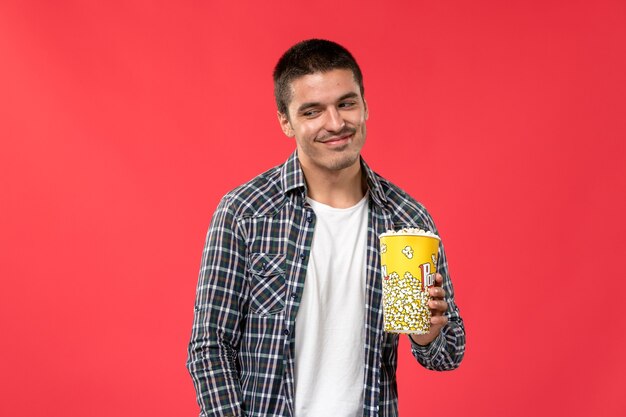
(346, 104)
(309, 113)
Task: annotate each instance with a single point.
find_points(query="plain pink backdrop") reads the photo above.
(123, 124)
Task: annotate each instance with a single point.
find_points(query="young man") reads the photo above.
(288, 316)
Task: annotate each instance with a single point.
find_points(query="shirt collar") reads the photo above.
(374, 185)
(292, 178)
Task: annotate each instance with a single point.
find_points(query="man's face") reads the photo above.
(327, 117)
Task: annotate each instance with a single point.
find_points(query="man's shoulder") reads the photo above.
(405, 209)
(259, 196)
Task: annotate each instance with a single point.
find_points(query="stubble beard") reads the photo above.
(343, 162)
(348, 157)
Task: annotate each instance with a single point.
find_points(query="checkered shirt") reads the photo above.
(242, 348)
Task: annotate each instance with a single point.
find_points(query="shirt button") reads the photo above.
(309, 218)
(293, 295)
(286, 332)
(302, 256)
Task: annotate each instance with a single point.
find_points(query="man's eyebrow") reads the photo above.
(305, 106)
(349, 95)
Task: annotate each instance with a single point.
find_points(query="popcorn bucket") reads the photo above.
(409, 264)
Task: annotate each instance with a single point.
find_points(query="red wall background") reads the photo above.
(123, 123)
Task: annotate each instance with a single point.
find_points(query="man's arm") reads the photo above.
(221, 299)
(444, 347)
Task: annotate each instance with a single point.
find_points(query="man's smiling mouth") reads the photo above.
(337, 140)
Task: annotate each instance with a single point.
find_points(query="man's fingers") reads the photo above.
(438, 306)
(437, 292)
(439, 320)
(438, 280)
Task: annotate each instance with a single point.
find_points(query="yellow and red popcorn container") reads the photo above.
(409, 264)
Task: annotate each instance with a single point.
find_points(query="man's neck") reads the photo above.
(340, 189)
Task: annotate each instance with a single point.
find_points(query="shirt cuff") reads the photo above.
(431, 349)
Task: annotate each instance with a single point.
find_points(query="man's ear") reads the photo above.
(283, 120)
(367, 113)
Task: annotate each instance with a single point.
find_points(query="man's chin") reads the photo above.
(343, 163)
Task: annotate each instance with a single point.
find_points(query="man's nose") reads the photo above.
(334, 121)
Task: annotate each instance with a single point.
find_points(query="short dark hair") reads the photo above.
(308, 57)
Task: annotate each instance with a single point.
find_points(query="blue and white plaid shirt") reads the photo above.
(241, 353)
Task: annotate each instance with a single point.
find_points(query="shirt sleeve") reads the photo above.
(219, 308)
(447, 350)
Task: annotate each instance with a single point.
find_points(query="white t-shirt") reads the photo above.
(330, 321)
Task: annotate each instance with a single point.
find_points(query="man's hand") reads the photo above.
(437, 307)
